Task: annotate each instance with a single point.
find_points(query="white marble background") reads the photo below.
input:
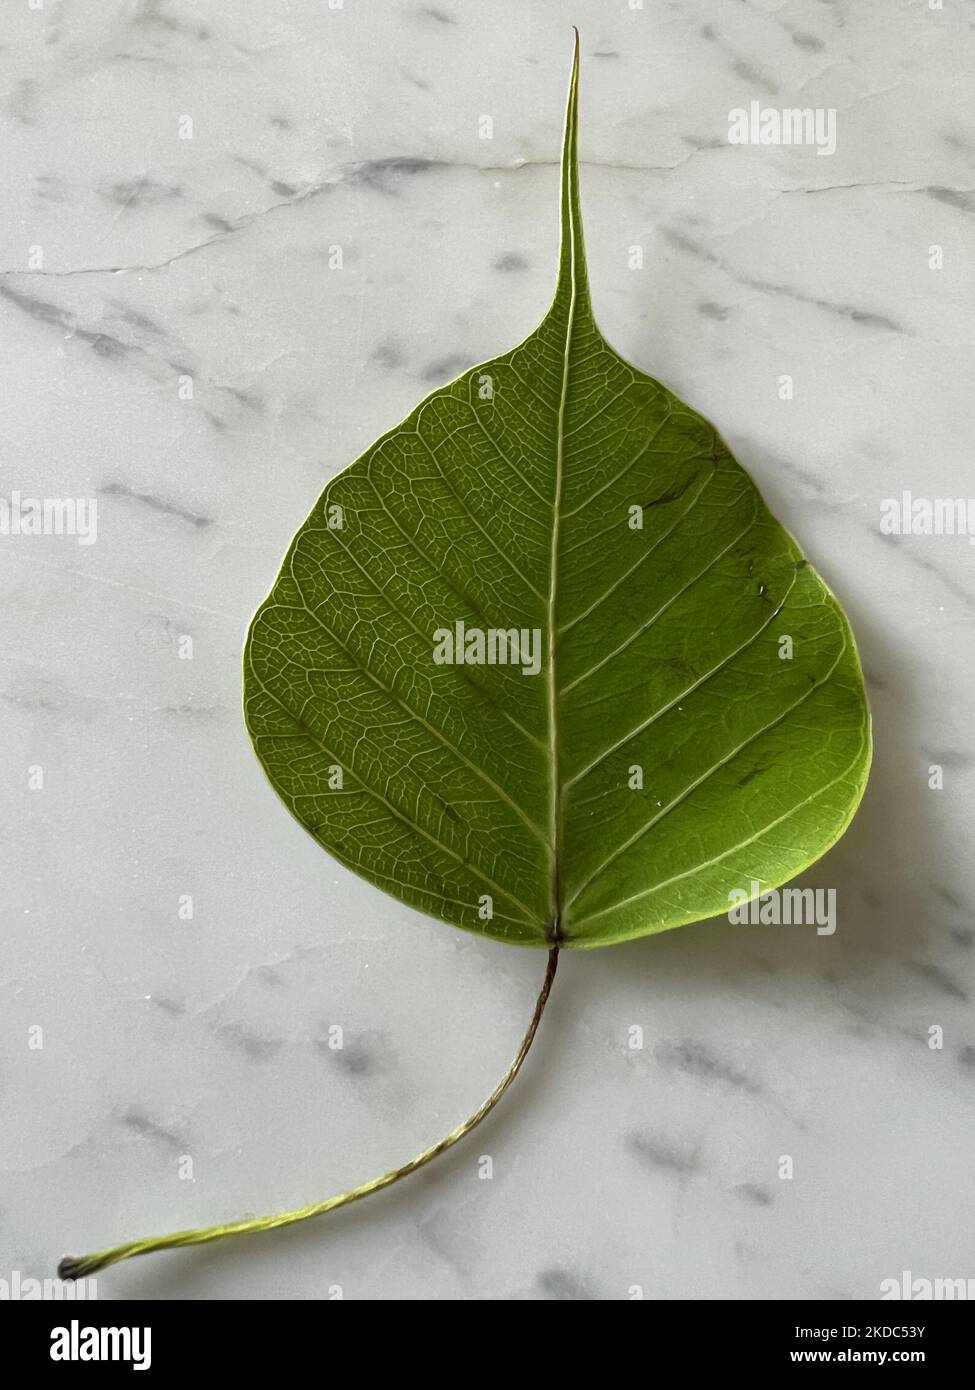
(162, 257)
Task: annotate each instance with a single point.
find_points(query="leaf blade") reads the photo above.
(511, 511)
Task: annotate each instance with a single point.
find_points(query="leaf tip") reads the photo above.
(572, 264)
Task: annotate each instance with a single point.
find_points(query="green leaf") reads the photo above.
(696, 723)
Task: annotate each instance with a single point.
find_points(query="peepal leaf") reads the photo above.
(542, 664)
(675, 708)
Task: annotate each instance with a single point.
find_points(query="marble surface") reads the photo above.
(212, 258)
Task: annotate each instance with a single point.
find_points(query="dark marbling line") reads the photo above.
(660, 1154)
(697, 1059)
(865, 317)
(157, 504)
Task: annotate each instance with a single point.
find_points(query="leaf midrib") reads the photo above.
(572, 256)
(555, 780)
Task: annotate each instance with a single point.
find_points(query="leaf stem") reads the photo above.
(79, 1267)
